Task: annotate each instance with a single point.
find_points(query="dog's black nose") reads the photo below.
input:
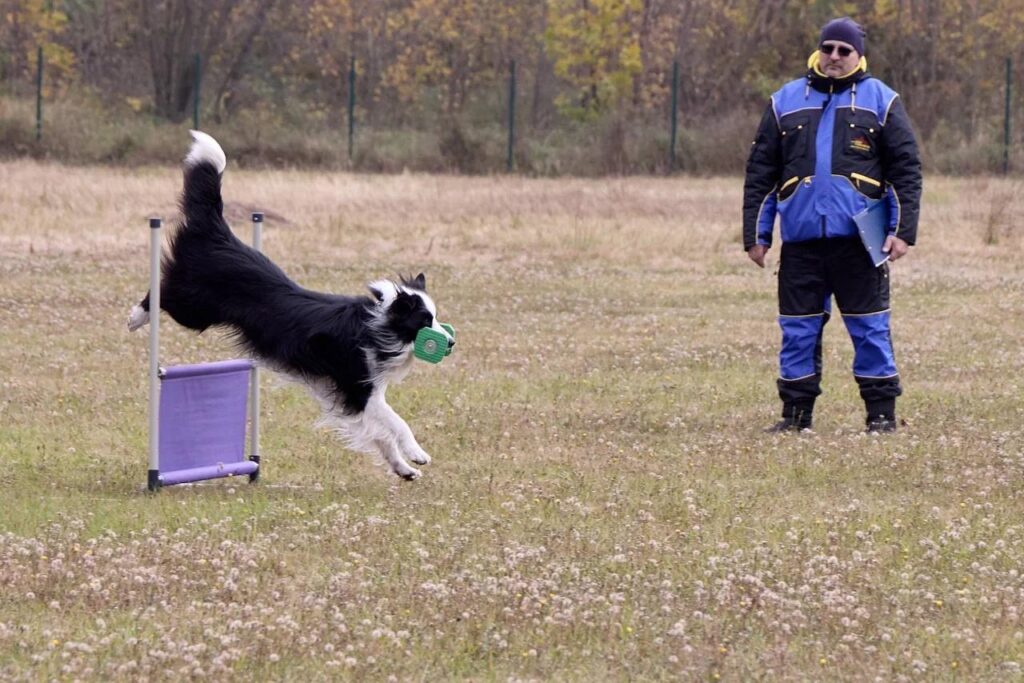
(451, 343)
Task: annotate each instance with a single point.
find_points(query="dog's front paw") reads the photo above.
(409, 473)
(138, 317)
(419, 456)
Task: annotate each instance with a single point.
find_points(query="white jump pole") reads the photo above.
(254, 380)
(154, 352)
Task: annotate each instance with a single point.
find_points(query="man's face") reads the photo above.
(831, 59)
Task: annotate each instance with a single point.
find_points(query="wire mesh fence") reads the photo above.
(487, 139)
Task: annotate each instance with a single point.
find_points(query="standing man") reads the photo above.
(829, 145)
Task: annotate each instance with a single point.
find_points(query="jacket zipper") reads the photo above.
(824, 106)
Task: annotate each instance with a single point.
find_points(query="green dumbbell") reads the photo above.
(431, 345)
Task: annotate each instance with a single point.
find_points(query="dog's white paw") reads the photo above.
(419, 456)
(408, 473)
(138, 317)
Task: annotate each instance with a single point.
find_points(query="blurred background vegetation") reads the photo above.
(593, 79)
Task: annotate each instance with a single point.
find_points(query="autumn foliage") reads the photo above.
(586, 69)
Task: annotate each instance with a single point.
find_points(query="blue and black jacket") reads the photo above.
(825, 149)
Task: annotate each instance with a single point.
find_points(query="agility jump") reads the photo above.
(197, 413)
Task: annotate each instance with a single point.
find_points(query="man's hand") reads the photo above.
(894, 247)
(757, 252)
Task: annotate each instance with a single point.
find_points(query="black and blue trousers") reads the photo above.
(810, 273)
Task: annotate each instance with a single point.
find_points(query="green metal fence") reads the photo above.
(672, 163)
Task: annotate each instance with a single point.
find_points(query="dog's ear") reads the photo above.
(419, 282)
(383, 290)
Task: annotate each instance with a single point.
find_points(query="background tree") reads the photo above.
(174, 31)
(595, 47)
(25, 26)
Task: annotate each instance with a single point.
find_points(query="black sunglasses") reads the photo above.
(842, 49)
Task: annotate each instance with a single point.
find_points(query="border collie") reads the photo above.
(346, 349)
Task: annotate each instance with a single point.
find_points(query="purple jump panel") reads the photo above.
(202, 421)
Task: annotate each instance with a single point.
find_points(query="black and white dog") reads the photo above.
(346, 349)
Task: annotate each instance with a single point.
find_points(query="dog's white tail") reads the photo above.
(206, 149)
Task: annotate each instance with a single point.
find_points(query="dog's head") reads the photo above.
(406, 308)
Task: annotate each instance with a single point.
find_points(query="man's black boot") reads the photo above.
(795, 418)
(881, 423)
(881, 416)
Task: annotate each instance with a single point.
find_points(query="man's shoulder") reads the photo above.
(796, 85)
(789, 97)
(876, 85)
(874, 94)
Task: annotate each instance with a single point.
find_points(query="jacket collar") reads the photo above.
(826, 84)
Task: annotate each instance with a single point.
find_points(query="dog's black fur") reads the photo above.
(344, 347)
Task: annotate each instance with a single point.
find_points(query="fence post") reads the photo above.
(510, 159)
(675, 117)
(351, 105)
(195, 95)
(1006, 119)
(39, 94)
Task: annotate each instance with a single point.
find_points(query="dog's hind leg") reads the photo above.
(139, 315)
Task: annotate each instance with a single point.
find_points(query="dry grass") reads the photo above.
(602, 504)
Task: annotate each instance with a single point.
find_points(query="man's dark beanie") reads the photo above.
(846, 30)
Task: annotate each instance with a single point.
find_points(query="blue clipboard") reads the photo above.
(873, 226)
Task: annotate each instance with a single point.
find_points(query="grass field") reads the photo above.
(602, 503)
